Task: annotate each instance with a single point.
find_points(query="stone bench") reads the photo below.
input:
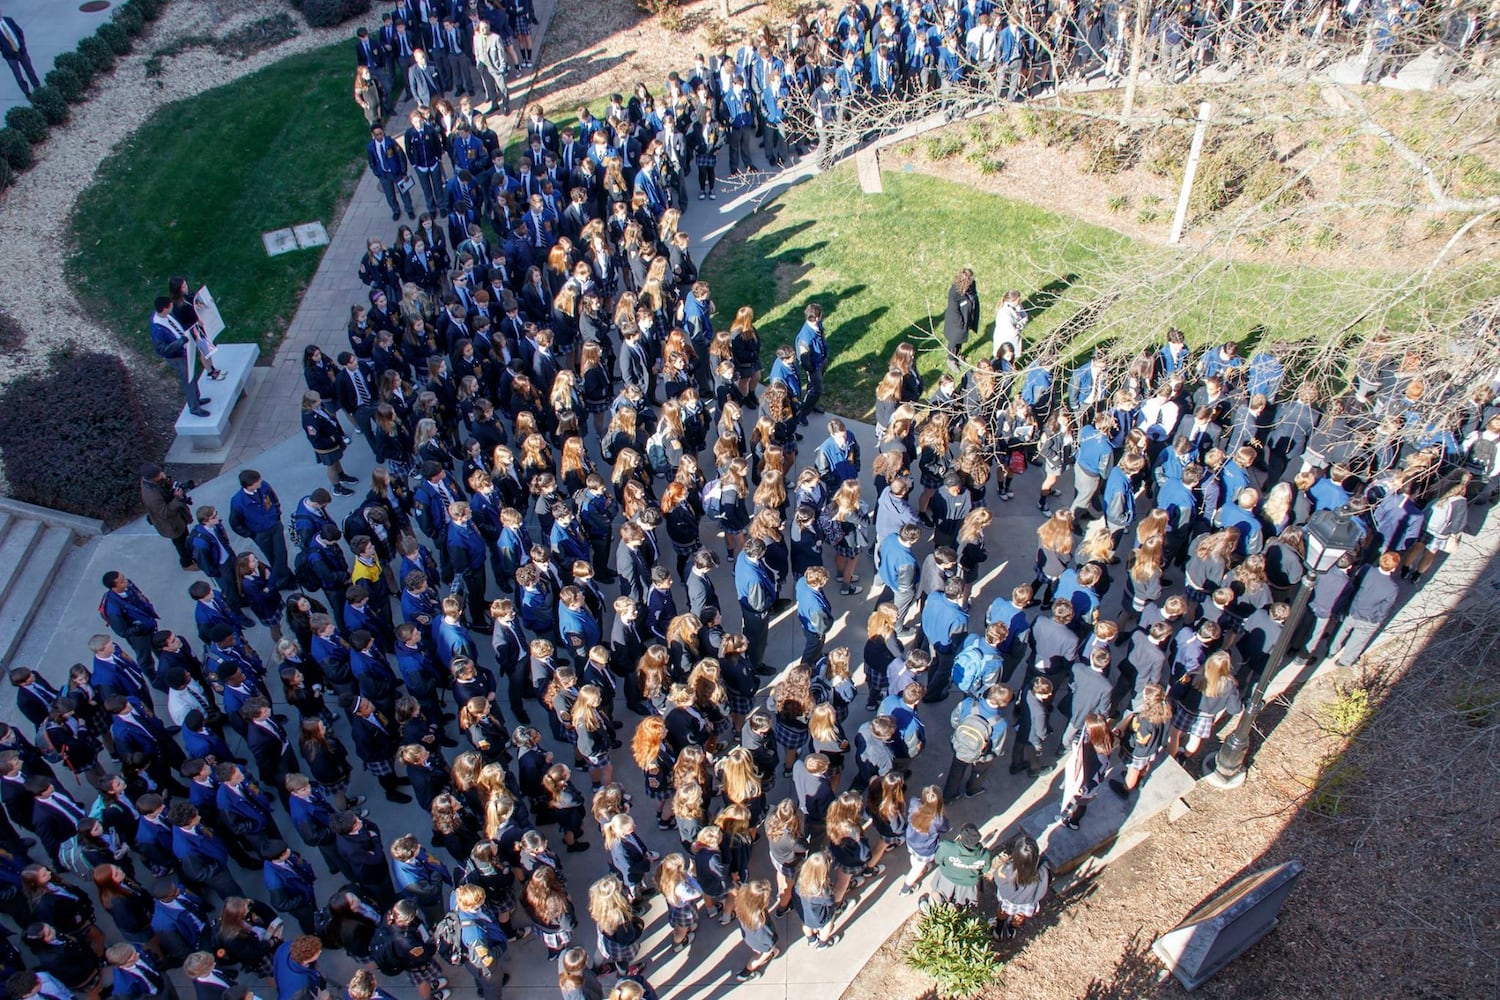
(211, 431)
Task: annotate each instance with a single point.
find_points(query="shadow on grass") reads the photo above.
(1045, 297)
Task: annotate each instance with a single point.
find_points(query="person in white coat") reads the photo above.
(1010, 320)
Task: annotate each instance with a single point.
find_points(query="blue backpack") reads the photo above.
(976, 667)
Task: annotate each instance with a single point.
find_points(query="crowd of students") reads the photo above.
(573, 454)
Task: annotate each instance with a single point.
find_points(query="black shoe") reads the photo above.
(577, 847)
(1071, 824)
(395, 216)
(398, 797)
(199, 412)
(765, 670)
(1118, 787)
(348, 479)
(342, 491)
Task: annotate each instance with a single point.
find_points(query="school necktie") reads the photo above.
(361, 391)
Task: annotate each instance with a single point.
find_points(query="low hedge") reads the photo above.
(29, 122)
(80, 67)
(66, 83)
(93, 422)
(6, 174)
(114, 36)
(15, 149)
(327, 13)
(50, 103)
(131, 20)
(97, 51)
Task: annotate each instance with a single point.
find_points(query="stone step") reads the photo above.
(20, 537)
(45, 556)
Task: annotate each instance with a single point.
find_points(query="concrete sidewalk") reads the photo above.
(51, 27)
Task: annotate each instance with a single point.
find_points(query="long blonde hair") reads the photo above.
(609, 905)
(816, 876)
(751, 904)
(741, 780)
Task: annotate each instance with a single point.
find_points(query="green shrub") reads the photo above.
(97, 51)
(149, 10)
(28, 121)
(66, 83)
(114, 36)
(1166, 151)
(86, 429)
(952, 945)
(15, 149)
(51, 104)
(717, 32)
(6, 174)
(1269, 177)
(131, 20)
(1223, 171)
(1349, 711)
(81, 67)
(1107, 149)
(327, 13)
(944, 147)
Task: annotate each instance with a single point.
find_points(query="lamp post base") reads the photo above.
(1215, 778)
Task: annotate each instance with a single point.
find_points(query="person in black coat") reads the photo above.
(362, 856)
(270, 745)
(327, 437)
(961, 317)
(66, 957)
(375, 743)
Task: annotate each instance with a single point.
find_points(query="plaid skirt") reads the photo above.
(790, 737)
(959, 895)
(682, 916)
(379, 768)
(1011, 909)
(556, 939)
(428, 975)
(661, 791)
(337, 788)
(620, 954)
(741, 704)
(1193, 723)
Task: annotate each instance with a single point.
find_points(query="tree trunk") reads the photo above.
(1137, 45)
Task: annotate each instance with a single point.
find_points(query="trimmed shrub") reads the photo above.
(131, 20)
(149, 10)
(6, 174)
(114, 36)
(66, 83)
(952, 945)
(29, 122)
(87, 427)
(327, 13)
(12, 336)
(81, 67)
(97, 51)
(15, 149)
(50, 103)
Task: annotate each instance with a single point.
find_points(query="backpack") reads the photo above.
(44, 743)
(447, 938)
(973, 668)
(713, 498)
(71, 857)
(656, 451)
(383, 951)
(971, 739)
(302, 568)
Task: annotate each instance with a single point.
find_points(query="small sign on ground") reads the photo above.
(279, 241)
(311, 234)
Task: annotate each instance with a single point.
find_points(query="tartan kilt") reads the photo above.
(620, 954)
(337, 788)
(380, 768)
(1193, 723)
(427, 974)
(682, 916)
(556, 940)
(661, 790)
(790, 737)
(741, 704)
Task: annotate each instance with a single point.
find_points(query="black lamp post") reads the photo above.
(1330, 535)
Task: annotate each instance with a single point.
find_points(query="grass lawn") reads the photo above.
(881, 266)
(193, 189)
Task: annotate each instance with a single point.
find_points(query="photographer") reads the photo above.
(168, 509)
